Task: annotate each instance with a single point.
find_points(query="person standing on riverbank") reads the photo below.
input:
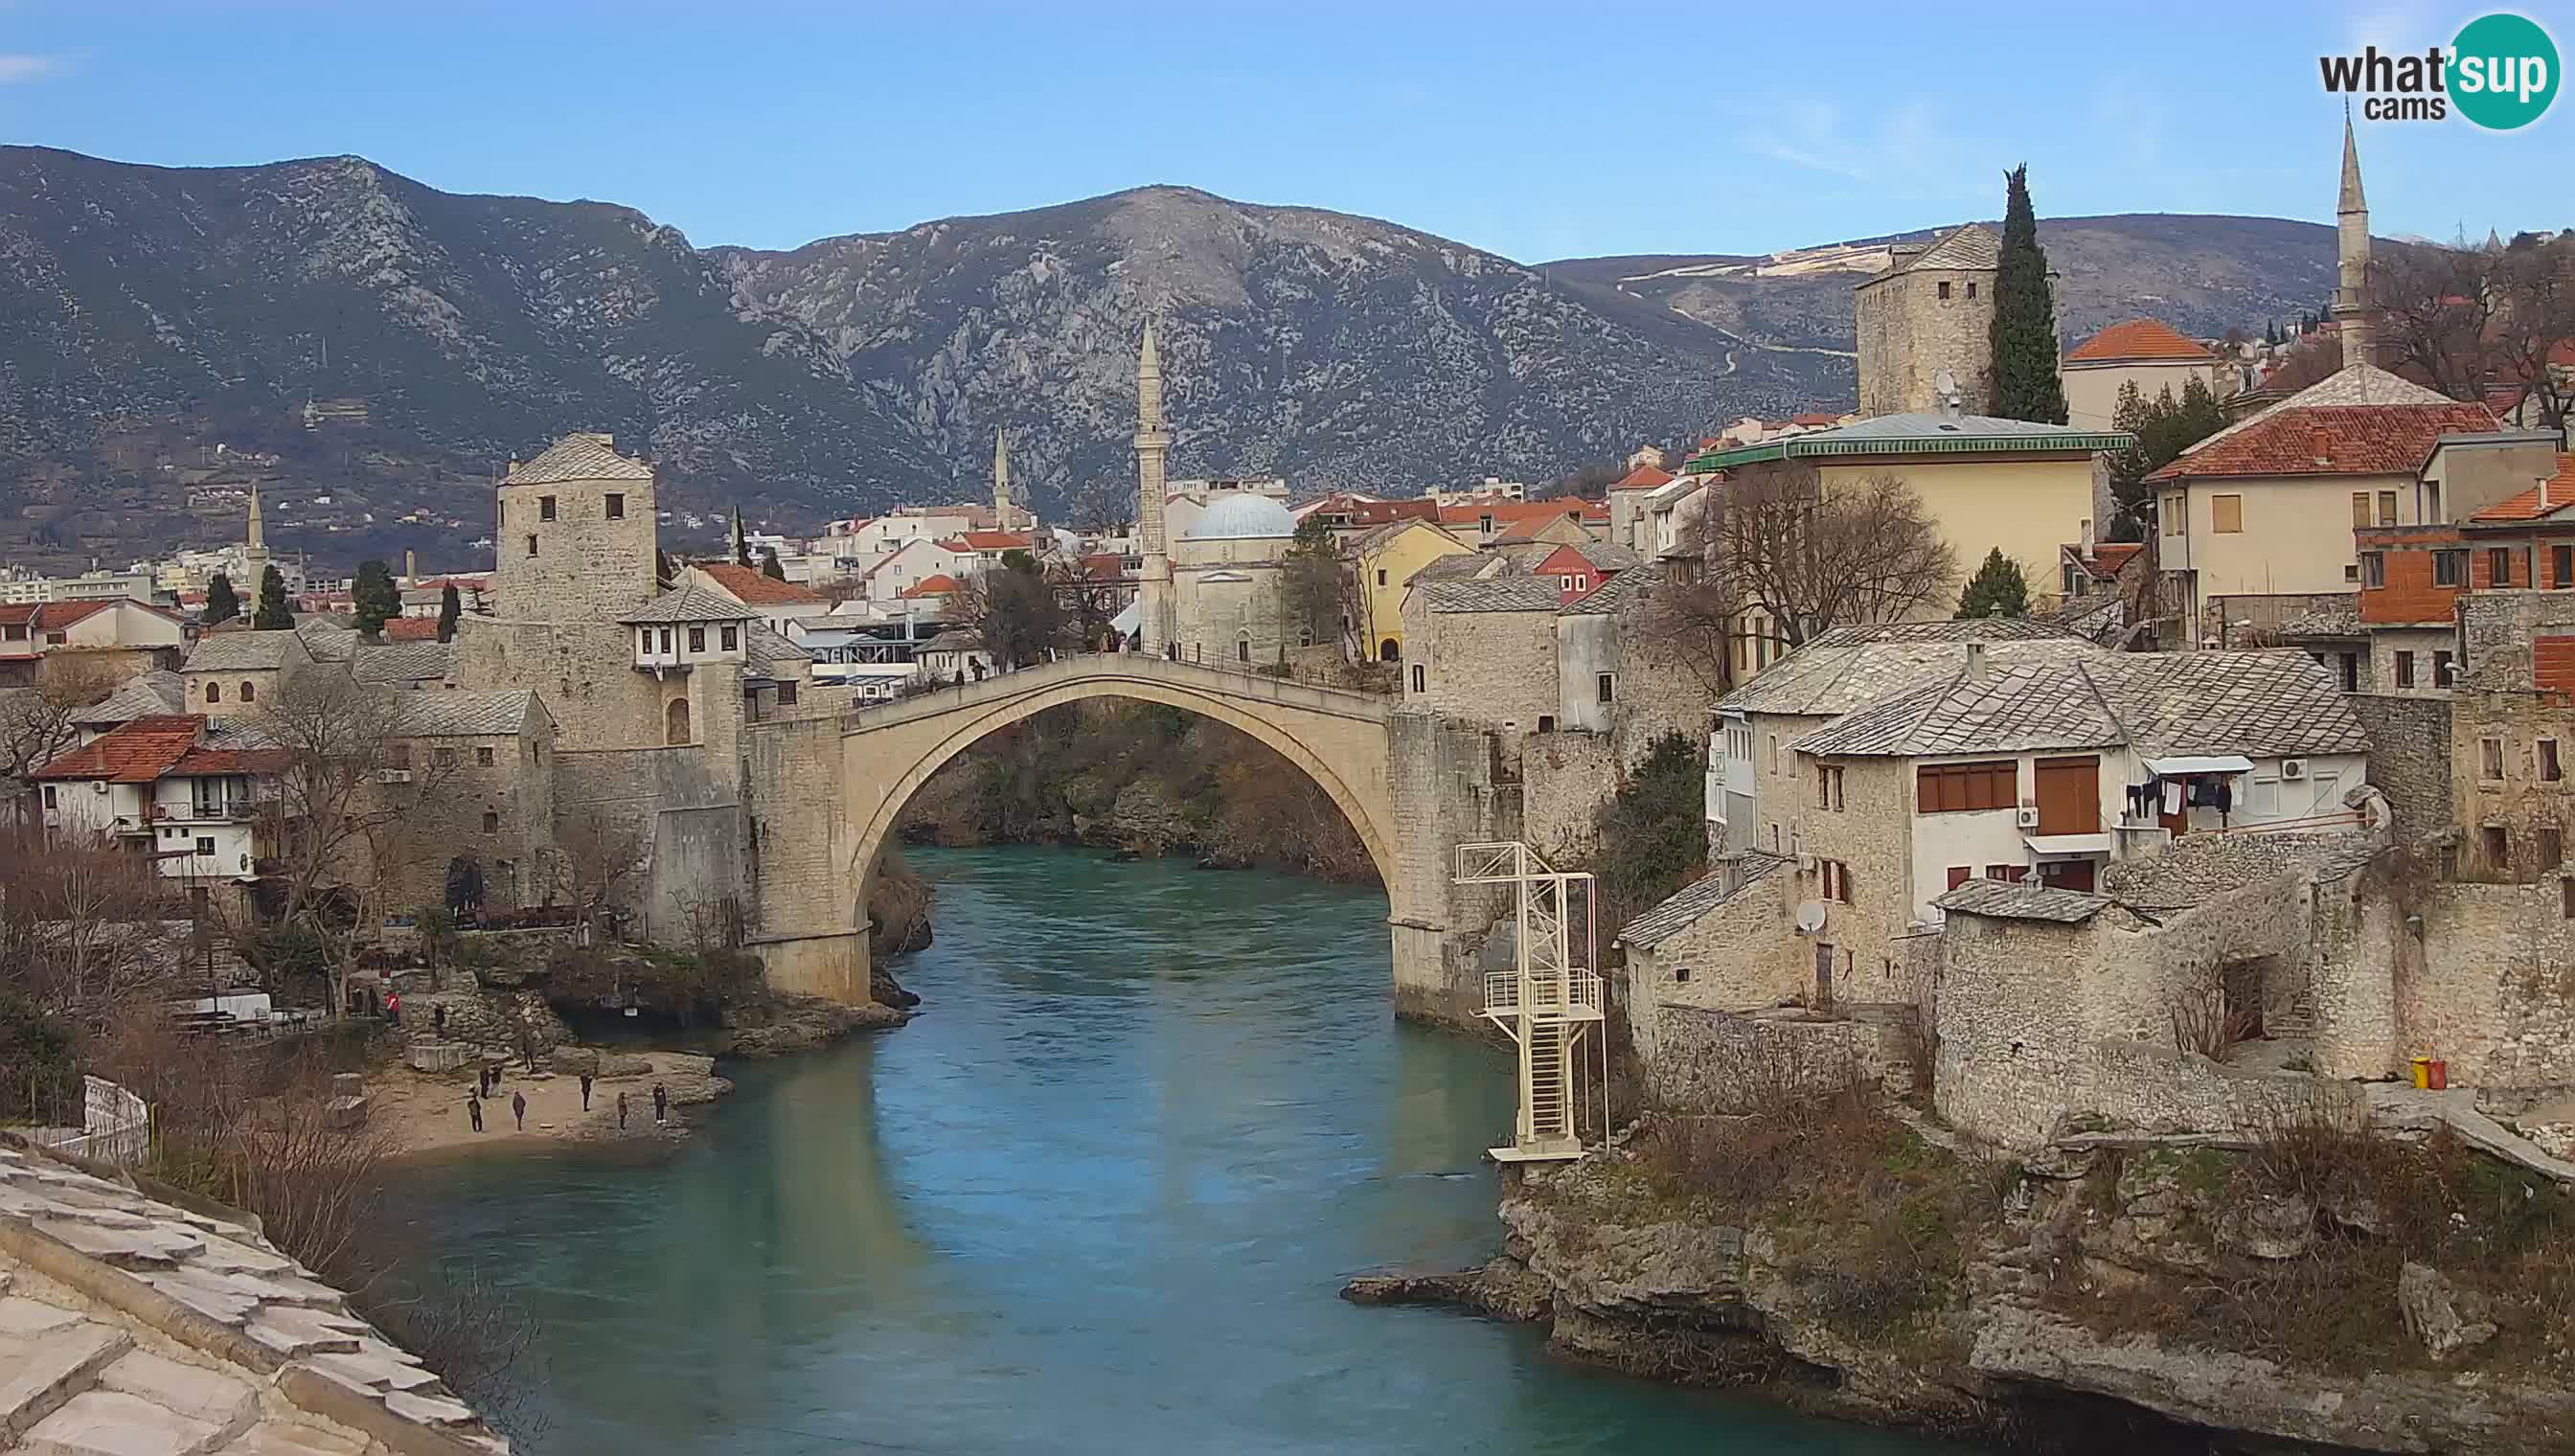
(661, 1102)
(474, 1110)
(519, 1110)
(585, 1092)
(620, 1111)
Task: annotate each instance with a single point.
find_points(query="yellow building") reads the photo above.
(1989, 484)
(1386, 559)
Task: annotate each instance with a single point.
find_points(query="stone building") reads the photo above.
(1931, 310)
(489, 758)
(1226, 600)
(229, 673)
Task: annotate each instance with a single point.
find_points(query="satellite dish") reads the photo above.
(1944, 384)
(1810, 917)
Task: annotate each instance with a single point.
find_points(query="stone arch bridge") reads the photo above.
(837, 803)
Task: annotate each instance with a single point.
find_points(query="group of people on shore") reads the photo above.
(487, 1087)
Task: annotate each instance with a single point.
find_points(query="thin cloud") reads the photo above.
(19, 66)
(1905, 151)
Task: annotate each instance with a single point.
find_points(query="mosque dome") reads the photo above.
(1244, 517)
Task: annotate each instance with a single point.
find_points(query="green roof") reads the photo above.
(1918, 434)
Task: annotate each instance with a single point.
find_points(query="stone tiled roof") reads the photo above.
(145, 694)
(328, 642)
(243, 652)
(2331, 439)
(2026, 902)
(1853, 665)
(1495, 594)
(1695, 899)
(461, 714)
(1970, 247)
(131, 1324)
(691, 603)
(2261, 705)
(584, 457)
(1624, 592)
(2100, 618)
(766, 649)
(2140, 339)
(404, 661)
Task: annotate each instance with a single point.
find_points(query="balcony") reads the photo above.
(1562, 996)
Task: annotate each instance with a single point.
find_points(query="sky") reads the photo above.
(1562, 131)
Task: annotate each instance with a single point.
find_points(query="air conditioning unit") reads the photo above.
(1806, 863)
(2027, 817)
(392, 775)
(2293, 767)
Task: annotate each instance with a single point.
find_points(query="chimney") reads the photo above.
(1976, 661)
(2088, 539)
(2323, 443)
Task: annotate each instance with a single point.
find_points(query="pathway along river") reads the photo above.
(1098, 1198)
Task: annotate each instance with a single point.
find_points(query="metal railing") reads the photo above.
(1571, 995)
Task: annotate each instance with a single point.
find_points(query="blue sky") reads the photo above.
(1567, 130)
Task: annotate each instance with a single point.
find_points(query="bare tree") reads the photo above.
(1774, 543)
(36, 723)
(82, 935)
(2534, 335)
(601, 860)
(2436, 309)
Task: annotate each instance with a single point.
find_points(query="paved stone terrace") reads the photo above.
(129, 1328)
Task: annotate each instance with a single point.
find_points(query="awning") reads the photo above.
(2208, 763)
(2068, 843)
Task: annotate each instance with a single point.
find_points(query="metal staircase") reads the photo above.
(1549, 1002)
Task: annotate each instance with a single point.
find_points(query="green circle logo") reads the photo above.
(2503, 72)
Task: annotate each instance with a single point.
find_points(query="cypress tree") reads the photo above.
(1997, 590)
(223, 604)
(374, 596)
(2024, 334)
(450, 608)
(768, 565)
(272, 615)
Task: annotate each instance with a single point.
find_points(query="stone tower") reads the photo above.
(1153, 459)
(2351, 307)
(1005, 517)
(1932, 308)
(254, 554)
(576, 534)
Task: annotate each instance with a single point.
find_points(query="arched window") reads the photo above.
(1242, 646)
(214, 692)
(1389, 651)
(249, 690)
(675, 731)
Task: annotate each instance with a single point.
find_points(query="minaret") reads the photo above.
(1002, 513)
(1152, 453)
(254, 550)
(2351, 308)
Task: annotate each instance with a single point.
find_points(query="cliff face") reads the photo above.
(2140, 1299)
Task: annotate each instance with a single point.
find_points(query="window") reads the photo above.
(2374, 569)
(396, 756)
(1581, 583)
(1605, 685)
(2352, 573)
(2404, 670)
(214, 692)
(443, 758)
(787, 695)
(532, 545)
(2449, 569)
(616, 507)
(696, 638)
(1420, 678)
(2545, 754)
(1945, 290)
(1828, 787)
(2490, 759)
(49, 797)
(1971, 290)
(205, 844)
(2008, 874)
(1485, 524)
(2561, 567)
(490, 821)
(666, 638)
(2172, 514)
(2497, 842)
(2499, 566)
(728, 636)
(1680, 972)
(2552, 847)
(484, 758)
(2431, 502)
(249, 690)
(1959, 874)
(2441, 676)
(2387, 507)
(1565, 583)
(1835, 881)
(545, 508)
(2226, 515)
(1956, 787)
(2566, 899)
(1547, 722)
(2360, 509)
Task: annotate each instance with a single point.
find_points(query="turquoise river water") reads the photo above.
(1098, 1198)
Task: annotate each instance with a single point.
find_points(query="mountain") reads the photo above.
(150, 315)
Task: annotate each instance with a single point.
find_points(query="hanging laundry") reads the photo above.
(2172, 797)
(2225, 797)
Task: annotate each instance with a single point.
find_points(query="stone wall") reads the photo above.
(585, 566)
(1446, 783)
(500, 813)
(1908, 334)
(1564, 780)
(1742, 956)
(2152, 1088)
(1723, 1061)
(2493, 991)
(1871, 835)
(585, 672)
(2409, 759)
(1480, 666)
(811, 931)
(669, 806)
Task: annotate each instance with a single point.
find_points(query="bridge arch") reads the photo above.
(1336, 739)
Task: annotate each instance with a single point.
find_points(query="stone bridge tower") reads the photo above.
(1153, 459)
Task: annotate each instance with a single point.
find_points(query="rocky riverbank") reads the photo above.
(2301, 1294)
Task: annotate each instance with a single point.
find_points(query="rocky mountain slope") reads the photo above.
(149, 314)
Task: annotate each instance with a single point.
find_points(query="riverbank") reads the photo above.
(2322, 1290)
(423, 1113)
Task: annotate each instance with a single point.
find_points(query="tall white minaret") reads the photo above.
(1002, 512)
(2351, 308)
(1152, 453)
(254, 550)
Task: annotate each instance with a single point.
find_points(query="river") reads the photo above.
(1098, 1198)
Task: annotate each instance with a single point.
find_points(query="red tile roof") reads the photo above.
(135, 753)
(1814, 419)
(411, 628)
(2140, 339)
(2539, 502)
(1475, 512)
(1379, 513)
(2331, 439)
(938, 586)
(749, 587)
(18, 613)
(995, 540)
(1643, 478)
(1105, 565)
